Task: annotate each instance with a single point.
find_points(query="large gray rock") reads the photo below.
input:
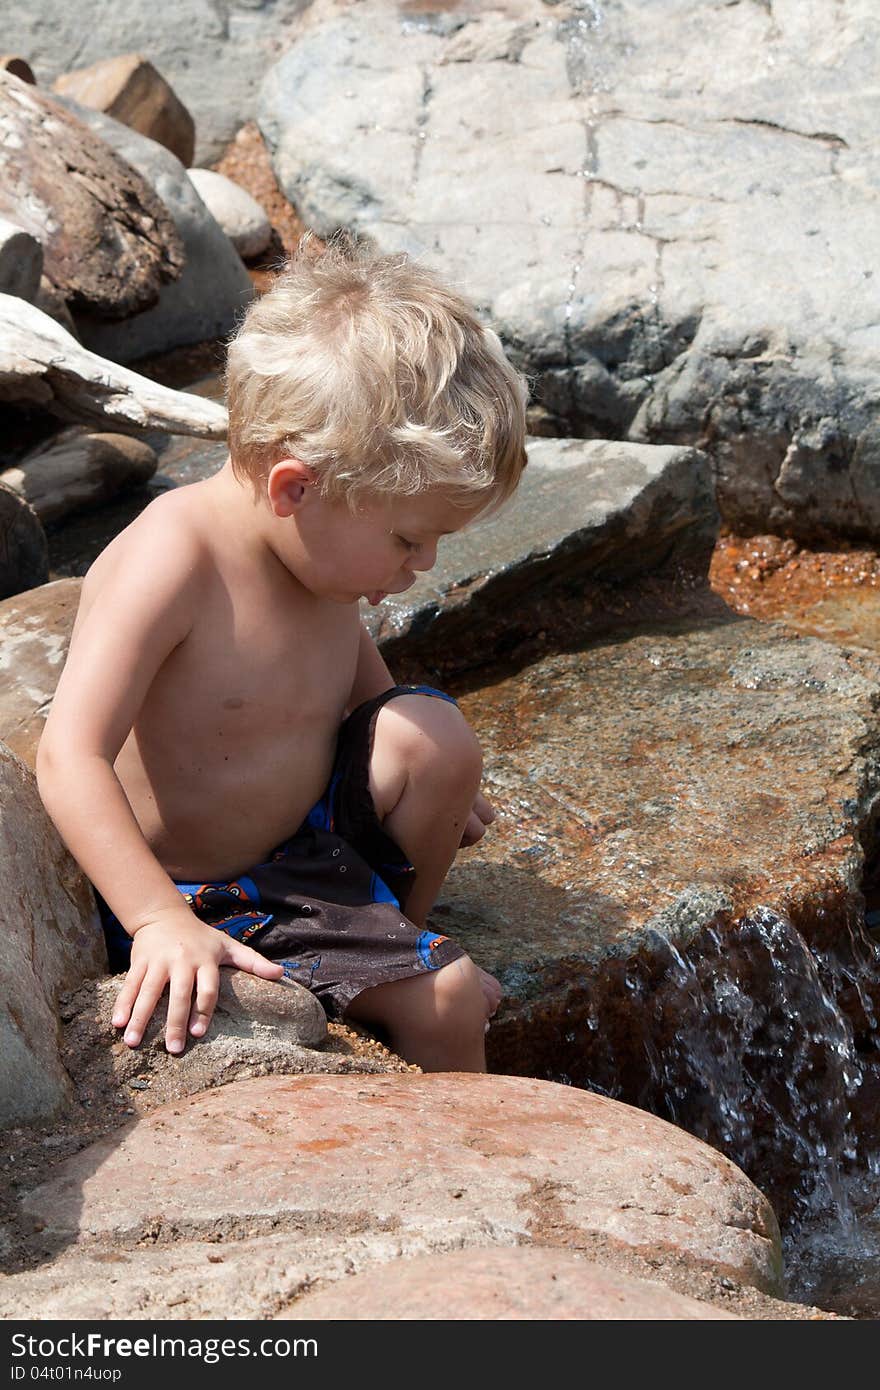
(673, 257)
(583, 509)
(214, 287)
(51, 941)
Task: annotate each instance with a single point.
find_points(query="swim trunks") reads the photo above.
(327, 902)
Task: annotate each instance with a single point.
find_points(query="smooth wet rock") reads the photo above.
(671, 894)
(524, 1283)
(128, 88)
(584, 509)
(240, 215)
(50, 941)
(77, 470)
(24, 553)
(35, 629)
(429, 1160)
(108, 241)
(43, 365)
(214, 288)
(672, 258)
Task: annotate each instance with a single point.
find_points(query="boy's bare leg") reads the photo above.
(425, 771)
(437, 1020)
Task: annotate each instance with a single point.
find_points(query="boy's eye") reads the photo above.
(410, 545)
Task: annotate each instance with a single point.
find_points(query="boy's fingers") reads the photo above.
(180, 992)
(207, 989)
(127, 995)
(244, 958)
(149, 994)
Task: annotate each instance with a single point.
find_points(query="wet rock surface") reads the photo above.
(633, 229)
(384, 1166)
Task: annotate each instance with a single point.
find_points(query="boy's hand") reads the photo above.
(482, 814)
(180, 951)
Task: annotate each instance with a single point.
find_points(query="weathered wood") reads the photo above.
(42, 365)
(108, 240)
(77, 470)
(24, 554)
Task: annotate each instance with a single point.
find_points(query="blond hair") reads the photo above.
(379, 377)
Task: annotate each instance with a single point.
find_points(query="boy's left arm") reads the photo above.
(371, 678)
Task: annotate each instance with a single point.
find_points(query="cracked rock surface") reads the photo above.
(668, 211)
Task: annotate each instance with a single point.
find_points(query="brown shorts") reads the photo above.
(327, 902)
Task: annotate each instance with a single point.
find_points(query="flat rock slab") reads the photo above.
(427, 1159)
(584, 508)
(524, 1283)
(637, 782)
(634, 230)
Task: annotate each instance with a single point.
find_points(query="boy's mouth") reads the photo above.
(375, 596)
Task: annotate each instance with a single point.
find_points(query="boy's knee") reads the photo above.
(459, 994)
(422, 731)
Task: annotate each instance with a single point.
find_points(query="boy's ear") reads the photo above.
(287, 486)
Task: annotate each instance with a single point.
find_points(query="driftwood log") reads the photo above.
(42, 365)
(108, 240)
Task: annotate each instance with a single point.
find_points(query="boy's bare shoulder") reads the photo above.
(167, 546)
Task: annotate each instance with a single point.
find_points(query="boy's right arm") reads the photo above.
(128, 628)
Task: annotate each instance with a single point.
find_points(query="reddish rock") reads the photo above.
(35, 630)
(129, 89)
(432, 1159)
(523, 1283)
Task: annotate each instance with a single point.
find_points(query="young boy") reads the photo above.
(227, 755)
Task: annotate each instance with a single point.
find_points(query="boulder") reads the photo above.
(51, 941)
(77, 470)
(634, 231)
(24, 552)
(585, 510)
(240, 215)
(35, 630)
(21, 261)
(523, 1283)
(43, 365)
(214, 288)
(108, 240)
(129, 89)
(299, 1178)
(671, 894)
